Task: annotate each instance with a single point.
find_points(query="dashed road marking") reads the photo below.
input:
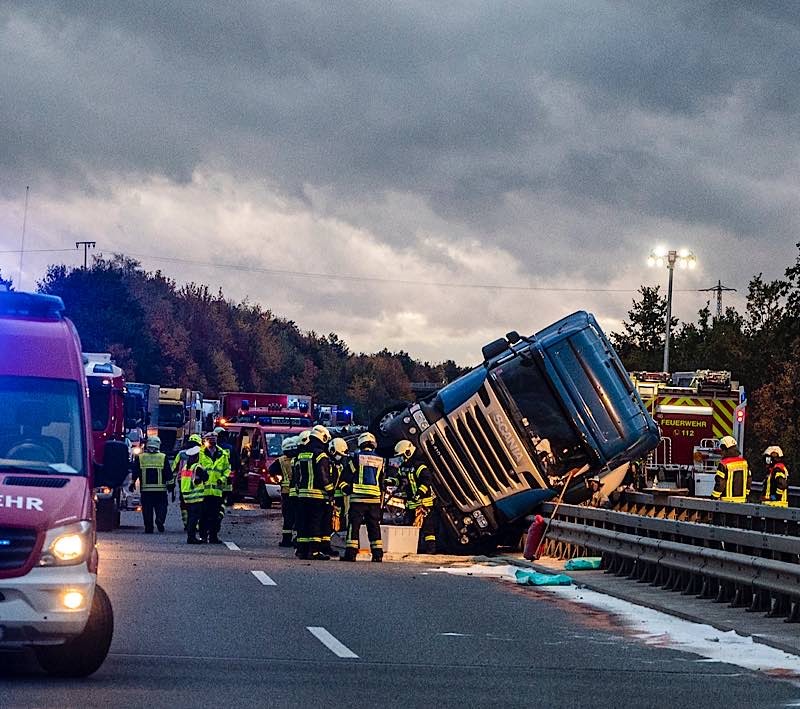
(330, 642)
(261, 576)
(232, 546)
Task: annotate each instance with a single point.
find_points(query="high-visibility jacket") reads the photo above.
(363, 477)
(732, 483)
(420, 485)
(776, 486)
(285, 467)
(314, 471)
(229, 478)
(191, 491)
(152, 472)
(218, 468)
(294, 484)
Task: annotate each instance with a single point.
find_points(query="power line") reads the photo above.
(718, 289)
(33, 251)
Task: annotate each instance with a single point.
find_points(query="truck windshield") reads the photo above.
(537, 412)
(99, 403)
(41, 427)
(171, 415)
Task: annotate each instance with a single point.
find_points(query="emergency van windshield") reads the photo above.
(534, 407)
(40, 428)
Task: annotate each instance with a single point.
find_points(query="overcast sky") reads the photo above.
(412, 150)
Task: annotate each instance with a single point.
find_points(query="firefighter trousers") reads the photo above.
(210, 521)
(310, 516)
(154, 502)
(369, 514)
(288, 505)
(194, 512)
(427, 532)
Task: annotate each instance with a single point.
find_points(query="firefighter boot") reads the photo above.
(377, 555)
(314, 553)
(286, 540)
(350, 554)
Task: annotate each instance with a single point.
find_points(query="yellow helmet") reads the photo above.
(338, 446)
(368, 440)
(303, 438)
(321, 433)
(405, 449)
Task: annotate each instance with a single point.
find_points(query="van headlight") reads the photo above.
(66, 546)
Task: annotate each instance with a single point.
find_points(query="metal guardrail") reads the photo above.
(750, 516)
(794, 493)
(752, 569)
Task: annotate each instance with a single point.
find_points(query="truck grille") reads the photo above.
(35, 482)
(16, 546)
(471, 461)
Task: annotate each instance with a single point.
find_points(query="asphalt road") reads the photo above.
(195, 627)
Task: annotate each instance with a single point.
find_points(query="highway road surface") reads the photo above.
(246, 624)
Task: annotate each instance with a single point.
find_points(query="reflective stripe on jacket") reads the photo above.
(286, 473)
(152, 472)
(363, 478)
(420, 490)
(776, 486)
(218, 469)
(314, 476)
(191, 492)
(732, 480)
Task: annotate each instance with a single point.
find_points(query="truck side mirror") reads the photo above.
(114, 469)
(493, 349)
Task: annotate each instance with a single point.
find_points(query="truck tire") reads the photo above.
(105, 514)
(84, 654)
(264, 501)
(377, 427)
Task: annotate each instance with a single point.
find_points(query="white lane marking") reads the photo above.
(232, 546)
(261, 576)
(331, 643)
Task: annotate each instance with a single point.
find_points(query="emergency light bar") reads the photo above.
(681, 409)
(31, 305)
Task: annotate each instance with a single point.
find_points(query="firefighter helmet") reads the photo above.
(219, 430)
(367, 440)
(288, 444)
(406, 449)
(774, 452)
(321, 433)
(152, 443)
(195, 438)
(303, 438)
(210, 436)
(338, 446)
(727, 442)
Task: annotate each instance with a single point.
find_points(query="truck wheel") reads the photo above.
(84, 654)
(105, 515)
(264, 501)
(378, 426)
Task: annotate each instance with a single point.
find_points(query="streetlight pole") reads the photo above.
(670, 258)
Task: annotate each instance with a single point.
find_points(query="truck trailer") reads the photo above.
(541, 414)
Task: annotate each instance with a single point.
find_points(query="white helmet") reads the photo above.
(774, 452)
(303, 438)
(406, 449)
(321, 433)
(368, 440)
(288, 444)
(338, 446)
(727, 442)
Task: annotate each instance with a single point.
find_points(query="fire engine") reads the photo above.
(693, 410)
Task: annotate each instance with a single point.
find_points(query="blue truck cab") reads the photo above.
(540, 411)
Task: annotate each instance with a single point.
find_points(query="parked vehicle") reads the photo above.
(541, 413)
(180, 414)
(51, 459)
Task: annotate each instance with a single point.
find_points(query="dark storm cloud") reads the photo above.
(617, 105)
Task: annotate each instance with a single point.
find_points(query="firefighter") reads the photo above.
(338, 450)
(180, 456)
(363, 480)
(192, 483)
(216, 464)
(419, 495)
(599, 498)
(283, 466)
(776, 483)
(155, 477)
(222, 442)
(732, 482)
(314, 493)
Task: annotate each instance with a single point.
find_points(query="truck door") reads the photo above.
(255, 463)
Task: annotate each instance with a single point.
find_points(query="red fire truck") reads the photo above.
(257, 424)
(693, 410)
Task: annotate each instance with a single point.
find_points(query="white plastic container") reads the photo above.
(396, 539)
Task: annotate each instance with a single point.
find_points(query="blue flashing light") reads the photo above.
(31, 305)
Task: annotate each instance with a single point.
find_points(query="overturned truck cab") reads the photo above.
(540, 413)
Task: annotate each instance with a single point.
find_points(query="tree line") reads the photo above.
(188, 336)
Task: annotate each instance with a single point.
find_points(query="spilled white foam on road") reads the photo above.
(661, 629)
(657, 628)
